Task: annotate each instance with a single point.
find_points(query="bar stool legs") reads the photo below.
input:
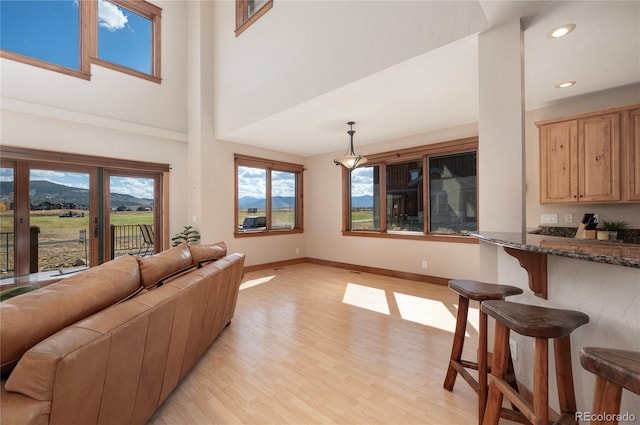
(480, 292)
(542, 324)
(458, 365)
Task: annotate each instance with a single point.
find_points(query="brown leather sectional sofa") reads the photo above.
(108, 345)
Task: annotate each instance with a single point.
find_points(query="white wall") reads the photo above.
(302, 49)
(608, 294)
(593, 102)
(218, 206)
(323, 221)
(111, 94)
(113, 114)
(501, 147)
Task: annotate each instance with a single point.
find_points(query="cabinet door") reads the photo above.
(632, 173)
(599, 158)
(558, 162)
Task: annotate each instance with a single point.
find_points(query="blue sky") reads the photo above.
(48, 30)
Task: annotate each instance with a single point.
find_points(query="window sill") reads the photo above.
(252, 233)
(413, 236)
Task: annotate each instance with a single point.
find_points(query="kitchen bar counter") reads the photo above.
(617, 253)
(532, 249)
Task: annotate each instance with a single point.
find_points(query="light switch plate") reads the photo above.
(549, 218)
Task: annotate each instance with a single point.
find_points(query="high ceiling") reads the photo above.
(439, 89)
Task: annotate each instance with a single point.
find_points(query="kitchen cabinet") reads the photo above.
(633, 156)
(559, 162)
(591, 158)
(599, 158)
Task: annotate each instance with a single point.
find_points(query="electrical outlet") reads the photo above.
(568, 218)
(297, 250)
(549, 218)
(513, 346)
(424, 264)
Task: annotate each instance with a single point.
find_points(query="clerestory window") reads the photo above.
(249, 11)
(67, 36)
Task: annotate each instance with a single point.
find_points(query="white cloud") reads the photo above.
(111, 16)
(134, 186)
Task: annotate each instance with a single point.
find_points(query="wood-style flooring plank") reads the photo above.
(311, 344)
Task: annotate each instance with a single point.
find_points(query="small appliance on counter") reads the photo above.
(587, 228)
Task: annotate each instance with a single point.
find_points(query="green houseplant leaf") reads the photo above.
(188, 235)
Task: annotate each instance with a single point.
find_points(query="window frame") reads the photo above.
(243, 20)
(269, 165)
(25, 159)
(144, 9)
(84, 71)
(383, 159)
(88, 39)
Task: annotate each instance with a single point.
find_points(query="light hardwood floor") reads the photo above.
(312, 344)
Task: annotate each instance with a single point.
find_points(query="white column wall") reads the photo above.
(501, 110)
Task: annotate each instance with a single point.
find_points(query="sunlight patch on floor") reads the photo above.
(425, 311)
(255, 282)
(366, 297)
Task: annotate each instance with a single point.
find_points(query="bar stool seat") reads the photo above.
(614, 370)
(477, 291)
(541, 323)
(536, 321)
(480, 291)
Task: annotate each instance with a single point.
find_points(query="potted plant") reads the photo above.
(188, 235)
(613, 227)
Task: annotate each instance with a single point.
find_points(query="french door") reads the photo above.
(62, 216)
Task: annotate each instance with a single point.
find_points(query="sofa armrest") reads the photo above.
(22, 409)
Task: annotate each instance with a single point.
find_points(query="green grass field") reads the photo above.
(279, 218)
(59, 243)
(54, 227)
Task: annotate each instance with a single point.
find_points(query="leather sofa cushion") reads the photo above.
(164, 265)
(204, 253)
(32, 317)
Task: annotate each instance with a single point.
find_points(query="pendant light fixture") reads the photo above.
(350, 160)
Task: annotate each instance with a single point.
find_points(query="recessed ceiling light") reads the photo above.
(565, 84)
(562, 30)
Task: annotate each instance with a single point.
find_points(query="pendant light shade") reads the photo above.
(350, 160)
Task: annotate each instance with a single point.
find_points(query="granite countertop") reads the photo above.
(621, 254)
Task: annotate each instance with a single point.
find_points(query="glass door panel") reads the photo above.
(7, 231)
(59, 221)
(132, 215)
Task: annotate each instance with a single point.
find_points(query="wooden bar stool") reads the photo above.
(541, 323)
(614, 370)
(477, 291)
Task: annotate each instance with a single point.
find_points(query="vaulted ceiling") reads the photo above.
(603, 52)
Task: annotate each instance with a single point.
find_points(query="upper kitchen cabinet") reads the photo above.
(559, 162)
(591, 158)
(599, 158)
(633, 156)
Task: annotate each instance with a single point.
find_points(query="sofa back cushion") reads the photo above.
(29, 318)
(120, 364)
(164, 265)
(203, 254)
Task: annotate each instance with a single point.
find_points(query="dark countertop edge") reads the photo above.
(626, 262)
